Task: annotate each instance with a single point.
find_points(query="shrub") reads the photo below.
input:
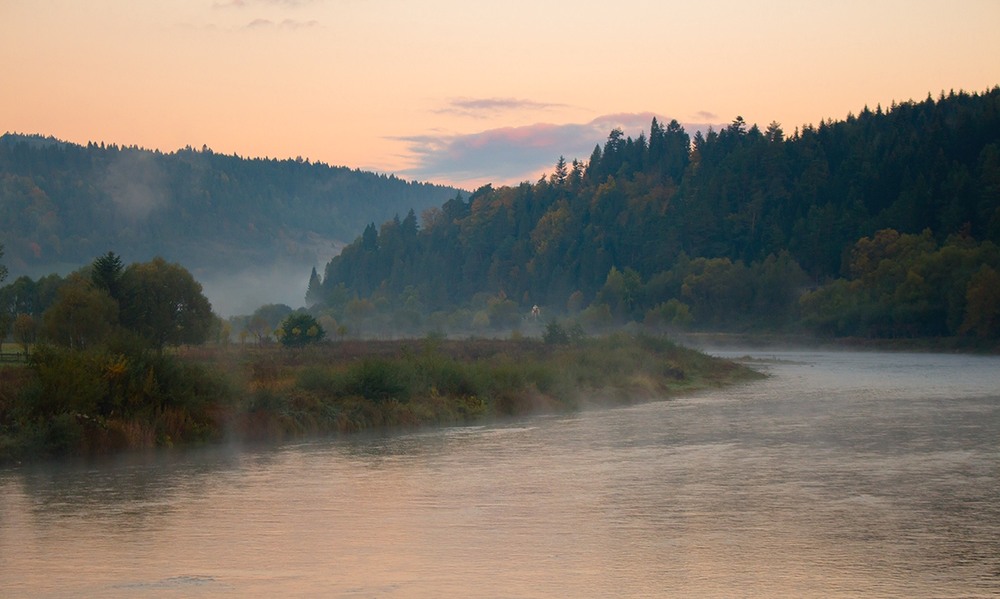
(377, 380)
(555, 334)
(66, 381)
(300, 329)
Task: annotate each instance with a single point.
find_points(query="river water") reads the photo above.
(844, 474)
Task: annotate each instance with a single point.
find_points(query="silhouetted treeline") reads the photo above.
(728, 229)
(62, 203)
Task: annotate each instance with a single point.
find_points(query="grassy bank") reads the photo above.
(100, 402)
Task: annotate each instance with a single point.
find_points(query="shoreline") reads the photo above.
(273, 394)
(947, 345)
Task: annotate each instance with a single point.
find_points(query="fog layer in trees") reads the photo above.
(61, 204)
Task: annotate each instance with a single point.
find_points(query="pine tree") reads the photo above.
(106, 273)
(561, 173)
(314, 293)
(3, 269)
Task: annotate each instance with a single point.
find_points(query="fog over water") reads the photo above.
(844, 474)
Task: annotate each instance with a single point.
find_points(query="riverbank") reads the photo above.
(947, 345)
(95, 403)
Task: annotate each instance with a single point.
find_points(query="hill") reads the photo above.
(891, 216)
(234, 222)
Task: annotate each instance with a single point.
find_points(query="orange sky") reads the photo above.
(466, 91)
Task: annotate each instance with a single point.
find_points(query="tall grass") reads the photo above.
(102, 401)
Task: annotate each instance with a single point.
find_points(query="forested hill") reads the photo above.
(62, 205)
(737, 223)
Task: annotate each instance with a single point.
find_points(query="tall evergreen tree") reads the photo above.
(314, 293)
(3, 269)
(106, 273)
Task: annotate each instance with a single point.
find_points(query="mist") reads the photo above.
(242, 292)
(136, 184)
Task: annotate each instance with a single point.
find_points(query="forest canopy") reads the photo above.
(740, 228)
(208, 211)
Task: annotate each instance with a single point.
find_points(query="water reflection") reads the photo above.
(841, 475)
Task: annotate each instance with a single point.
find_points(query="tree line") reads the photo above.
(151, 305)
(147, 305)
(740, 228)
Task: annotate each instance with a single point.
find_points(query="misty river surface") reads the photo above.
(844, 474)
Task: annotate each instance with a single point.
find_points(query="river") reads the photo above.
(843, 474)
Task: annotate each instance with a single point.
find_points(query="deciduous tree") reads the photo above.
(164, 304)
(24, 331)
(82, 315)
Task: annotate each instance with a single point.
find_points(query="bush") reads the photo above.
(377, 380)
(555, 334)
(447, 376)
(300, 329)
(66, 381)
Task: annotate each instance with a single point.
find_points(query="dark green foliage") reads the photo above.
(314, 292)
(164, 304)
(910, 286)
(377, 380)
(6, 317)
(725, 232)
(106, 273)
(26, 296)
(156, 301)
(448, 377)
(300, 329)
(67, 381)
(104, 384)
(82, 316)
(982, 313)
(3, 269)
(555, 334)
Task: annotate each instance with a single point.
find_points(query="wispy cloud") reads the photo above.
(486, 107)
(251, 3)
(271, 12)
(284, 24)
(705, 115)
(510, 155)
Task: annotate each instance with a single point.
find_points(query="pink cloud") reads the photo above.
(509, 155)
(483, 107)
(285, 24)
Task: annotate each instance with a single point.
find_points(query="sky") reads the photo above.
(467, 92)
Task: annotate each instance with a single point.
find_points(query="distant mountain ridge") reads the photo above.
(63, 204)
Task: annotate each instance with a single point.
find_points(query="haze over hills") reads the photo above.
(249, 229)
